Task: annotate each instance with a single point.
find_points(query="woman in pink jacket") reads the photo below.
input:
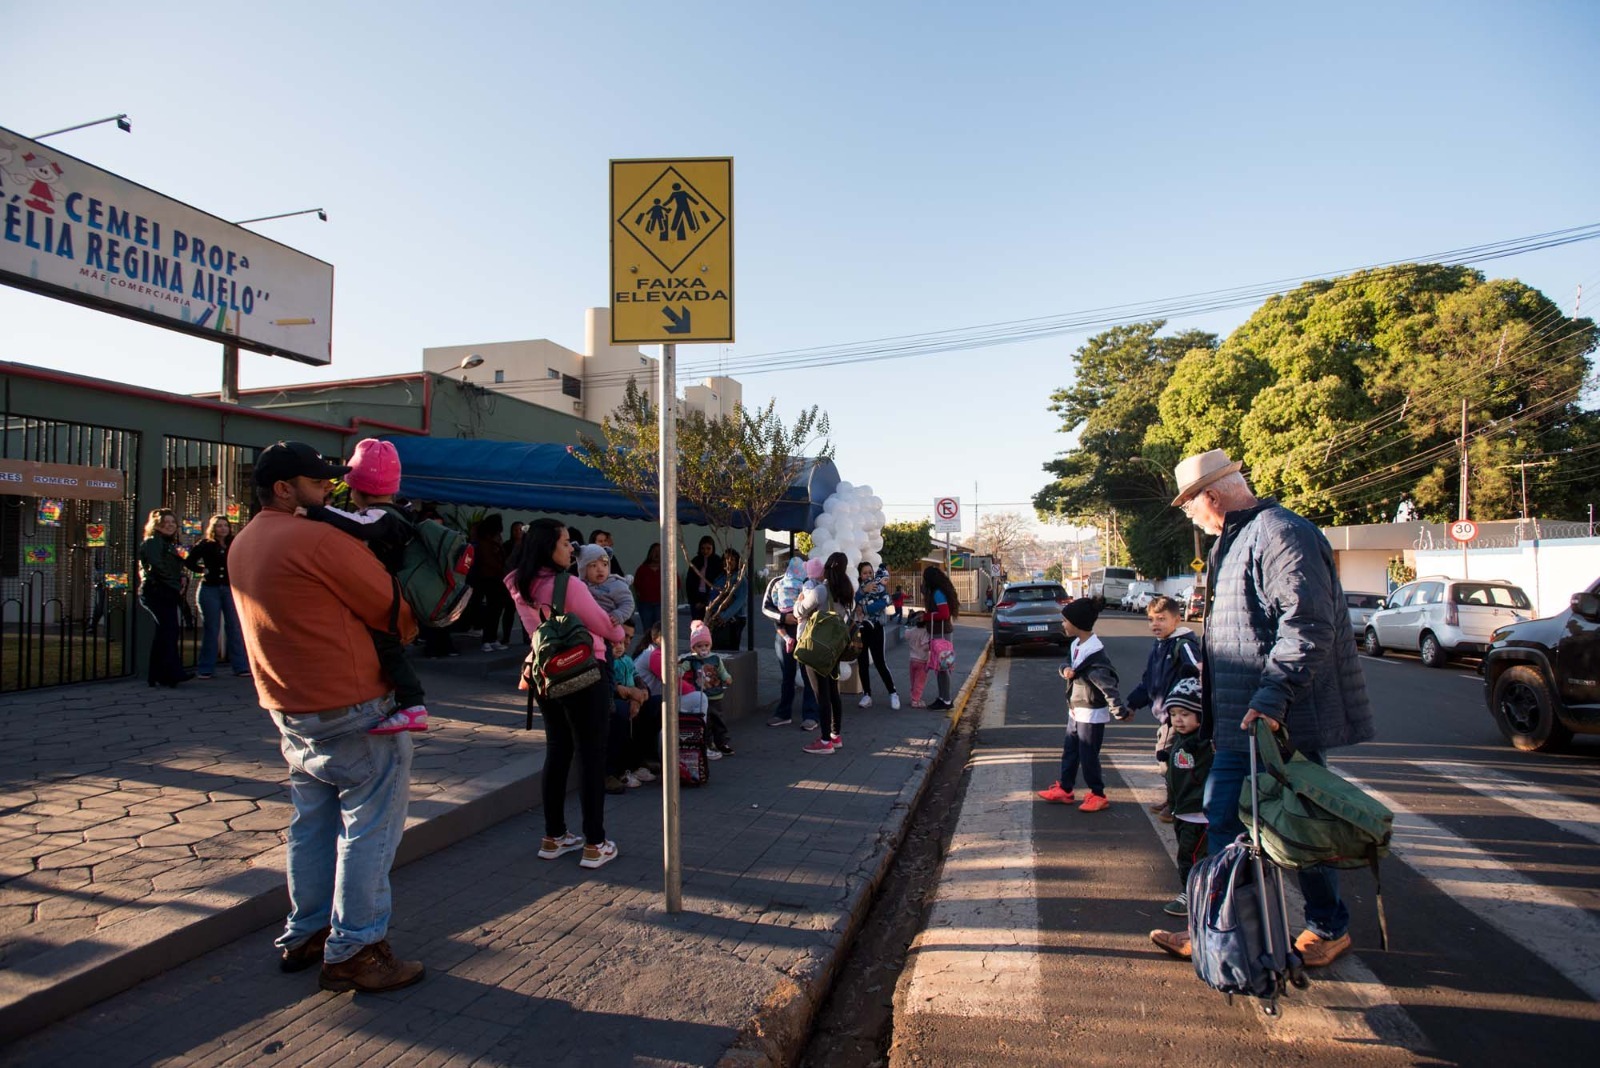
(577, 722)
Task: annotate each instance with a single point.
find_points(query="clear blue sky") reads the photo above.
(899, 168)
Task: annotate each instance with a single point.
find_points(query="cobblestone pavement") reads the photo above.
(118, 798)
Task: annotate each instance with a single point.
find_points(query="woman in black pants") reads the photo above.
(578, 721)
(832, 594)
(872, 609)
(161, 594)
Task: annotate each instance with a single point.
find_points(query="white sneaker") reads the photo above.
(866, 701)
(487, 647)
(644, 775)
(631, 781)
(598, 856)
(894, 701)
(712, 754)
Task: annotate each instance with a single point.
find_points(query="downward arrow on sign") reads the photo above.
(680, 320)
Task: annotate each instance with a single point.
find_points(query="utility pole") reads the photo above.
(1464, 565)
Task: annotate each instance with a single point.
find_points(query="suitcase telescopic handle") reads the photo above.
(1255, 795)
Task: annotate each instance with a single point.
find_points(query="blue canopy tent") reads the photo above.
(549, 478)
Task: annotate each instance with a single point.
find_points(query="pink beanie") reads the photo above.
(699, 634)
(814, 568)
(374, 468)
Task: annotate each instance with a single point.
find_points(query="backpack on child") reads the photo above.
(561, 658)
(433, 573)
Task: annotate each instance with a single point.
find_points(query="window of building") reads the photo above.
(551, 372)
(572, 387)
(499, 377)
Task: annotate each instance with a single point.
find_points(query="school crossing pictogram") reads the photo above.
(671, 250)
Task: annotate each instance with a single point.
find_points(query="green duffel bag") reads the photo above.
(1310, 815)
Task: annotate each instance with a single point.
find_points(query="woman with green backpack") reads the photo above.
(577, 721)
(824, 635)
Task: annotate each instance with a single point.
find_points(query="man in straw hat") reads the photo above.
(1278, 646)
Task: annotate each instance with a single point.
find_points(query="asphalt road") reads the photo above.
(1037, 951)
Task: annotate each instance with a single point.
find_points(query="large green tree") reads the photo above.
(1344, 396)
(1119, 377)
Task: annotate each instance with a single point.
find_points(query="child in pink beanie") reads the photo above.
(374, 479)
(706, 672)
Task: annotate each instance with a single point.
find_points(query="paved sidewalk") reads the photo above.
(151, 825)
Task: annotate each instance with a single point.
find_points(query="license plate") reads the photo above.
(1038, 628)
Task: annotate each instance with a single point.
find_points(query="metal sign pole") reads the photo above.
(667, 406)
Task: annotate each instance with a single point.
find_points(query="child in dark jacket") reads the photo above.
(1176, 656)
(1188, 764)
(374, 479)
(1093, 700)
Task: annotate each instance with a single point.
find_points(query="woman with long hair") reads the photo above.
(209, 559)
(704, 570)
(872, 608)
(729, 608)
(833, 593)
(942, 606)
(160, 594)
(578, 721)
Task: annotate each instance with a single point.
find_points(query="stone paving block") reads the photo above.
(216, 811)
(183, 834)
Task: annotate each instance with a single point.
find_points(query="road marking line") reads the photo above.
(978, 955)
(1542, 803)
(1346, 1002)
(1559, 932)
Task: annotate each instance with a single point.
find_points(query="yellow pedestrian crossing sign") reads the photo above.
(1197, 565)
(671, 250)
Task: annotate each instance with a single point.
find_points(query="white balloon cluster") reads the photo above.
(851, 523)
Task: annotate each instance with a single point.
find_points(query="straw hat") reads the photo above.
(1195, 473)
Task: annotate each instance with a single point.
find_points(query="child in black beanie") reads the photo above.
(1093, 700)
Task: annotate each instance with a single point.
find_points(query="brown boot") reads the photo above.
(371, 971)
(299, 958)
(1319, 952)
(1174, 942)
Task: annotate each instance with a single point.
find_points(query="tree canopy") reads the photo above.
(1342, 397)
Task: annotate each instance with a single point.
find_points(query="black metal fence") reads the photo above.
(67, 567)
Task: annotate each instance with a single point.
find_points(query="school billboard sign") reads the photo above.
(75, 232)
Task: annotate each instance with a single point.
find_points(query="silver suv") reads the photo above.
(1442, 617)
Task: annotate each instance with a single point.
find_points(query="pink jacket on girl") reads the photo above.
(580, 602)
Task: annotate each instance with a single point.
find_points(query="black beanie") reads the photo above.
(1082, 613)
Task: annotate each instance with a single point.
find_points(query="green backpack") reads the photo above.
(823, 642)
(1310, 815)
(561, 658)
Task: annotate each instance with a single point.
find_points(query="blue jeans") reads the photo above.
(1082, 746)
(217, 611)
(1326, 914)
(788, 667)
(350, 791)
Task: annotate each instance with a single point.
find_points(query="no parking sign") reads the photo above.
(946, 515)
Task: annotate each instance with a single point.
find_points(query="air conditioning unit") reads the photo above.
(577, 407)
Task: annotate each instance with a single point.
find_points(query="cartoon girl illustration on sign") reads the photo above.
(41, 195)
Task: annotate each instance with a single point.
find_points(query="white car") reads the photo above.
(1138, 596)
(1442, 617)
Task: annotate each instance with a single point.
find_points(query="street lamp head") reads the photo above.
(469, 361)
(124, 124)
(322, 215)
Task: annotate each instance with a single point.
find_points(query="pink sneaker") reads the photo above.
(821, 747)
(1057, 794)
(414, 718)
(838, 741)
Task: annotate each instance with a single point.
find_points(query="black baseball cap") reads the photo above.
(285, 460)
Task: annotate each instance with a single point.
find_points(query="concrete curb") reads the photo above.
(63, 981)
(776, 1035)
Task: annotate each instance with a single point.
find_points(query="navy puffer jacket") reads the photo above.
(1278, 636)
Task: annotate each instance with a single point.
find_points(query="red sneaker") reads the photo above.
(1057, 794)
(1094, 803)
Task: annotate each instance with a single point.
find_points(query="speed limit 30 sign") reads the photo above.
(1463, 530)
(946, 515)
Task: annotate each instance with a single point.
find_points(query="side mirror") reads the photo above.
(1586, 605)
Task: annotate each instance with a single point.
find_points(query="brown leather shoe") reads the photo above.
(1319, 952)
(1174, 942)
(299, 958)
(371, 971)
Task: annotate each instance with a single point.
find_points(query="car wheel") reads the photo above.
(1525, 712)
(1372, 648)
(1433, 653)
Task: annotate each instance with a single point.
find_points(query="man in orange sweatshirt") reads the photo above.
(306, 595)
